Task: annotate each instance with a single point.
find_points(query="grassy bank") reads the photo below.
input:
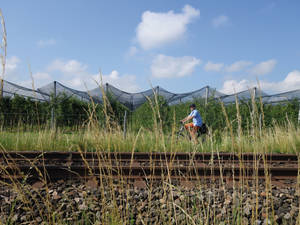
(279, 139)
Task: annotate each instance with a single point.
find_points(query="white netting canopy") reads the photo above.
(133, 100)
(9, 89)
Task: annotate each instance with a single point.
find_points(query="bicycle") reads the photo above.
(184, 133)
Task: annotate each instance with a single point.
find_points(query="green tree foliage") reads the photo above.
(71, 112)
(144, 116)
(19, 110)
(116, 110)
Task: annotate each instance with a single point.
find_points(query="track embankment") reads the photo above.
(155, 166)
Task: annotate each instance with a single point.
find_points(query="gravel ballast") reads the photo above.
(205, 202)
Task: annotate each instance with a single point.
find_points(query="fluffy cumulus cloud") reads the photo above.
(37, 80)
(72, 73)
(264, 67)
(237, 66)
(219, 21)
(289, 83)
(11, 68)
(210, 66)
(10, 65)
(125, 82)
(69, 67)
(46, 42)
(12, 74)
(168, 66)
(157, 29)
(41, 76)
(76, 75)
(233, 86)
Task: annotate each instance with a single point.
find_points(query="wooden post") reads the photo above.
(106, 88)
(125, 124)
(260, 124)
(206, 95)
(299, 114)
(2, 87)
(53, 119)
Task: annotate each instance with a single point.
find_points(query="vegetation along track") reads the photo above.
(191, 166)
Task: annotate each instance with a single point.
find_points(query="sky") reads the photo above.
(133, 44)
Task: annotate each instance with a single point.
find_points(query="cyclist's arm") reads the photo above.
(187, 118)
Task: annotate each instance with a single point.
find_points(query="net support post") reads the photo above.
(53, 119)
(2, 87)
(260, 124)
(206, 95)
(106, 89)
(125, 124)
(299, 114)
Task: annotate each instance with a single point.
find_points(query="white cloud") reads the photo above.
(264, 67)
(12, 74)
(289, 83)
(125, 82)
(46, 42)
(76, 82)
(72, 73)
(39, 79)
(210, 66)
(41, 76)
(76, 75)
(11, 67)
(68, 67)
(11, 64)
(220, 21)
(167, 66)
(233, 86)
(237, 66)
(259, 69)
(157, 29)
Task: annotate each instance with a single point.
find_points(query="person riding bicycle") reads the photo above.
(196, 124)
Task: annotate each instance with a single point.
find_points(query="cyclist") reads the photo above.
(196, 124)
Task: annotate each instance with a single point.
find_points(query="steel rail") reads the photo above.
(69, 165)
(149, 155)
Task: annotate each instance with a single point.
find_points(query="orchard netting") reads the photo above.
(133, 100)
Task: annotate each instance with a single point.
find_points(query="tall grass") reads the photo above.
(278, 139)
(3, 51)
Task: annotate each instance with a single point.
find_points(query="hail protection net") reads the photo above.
(10, 90)
(133, 100)
(243, 96)
(204, 93)
(282, 97)
(130, 100)
(59, 90)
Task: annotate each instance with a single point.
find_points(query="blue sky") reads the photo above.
(179, 45)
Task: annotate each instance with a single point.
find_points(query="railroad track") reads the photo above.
(71, 165)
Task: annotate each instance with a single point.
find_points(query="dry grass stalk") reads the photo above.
(3, 47)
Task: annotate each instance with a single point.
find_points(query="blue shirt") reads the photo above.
(197, 120)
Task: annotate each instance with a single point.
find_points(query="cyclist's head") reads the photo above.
(192, 106)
